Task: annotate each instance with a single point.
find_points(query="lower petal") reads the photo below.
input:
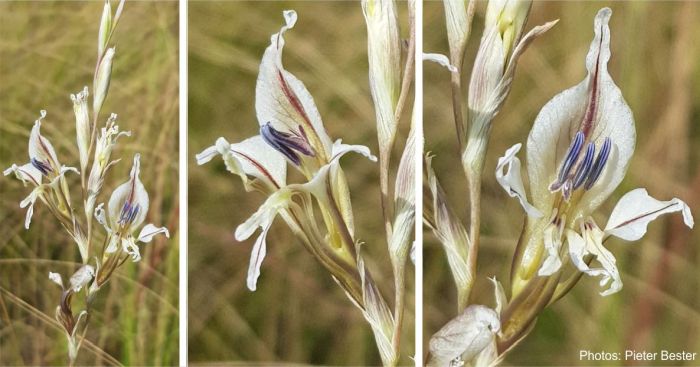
(256, 258)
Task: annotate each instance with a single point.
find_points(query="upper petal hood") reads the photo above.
(282, 100)
(128, 204)
(41, 153)
(596, 107)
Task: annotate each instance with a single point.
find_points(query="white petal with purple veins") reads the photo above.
(634, 211)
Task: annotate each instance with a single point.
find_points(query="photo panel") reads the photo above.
(300, 115)
(89, 205)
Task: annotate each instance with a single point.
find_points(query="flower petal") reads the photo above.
(264, 216)
(440, 59)
(499, 294)
(257, 255)
(282, 100)
(29, 202)
(591, 243)
(25, 173)
(130, 247)
(552, 243)
(40, 149)
(594, 106)
(339, 149)
(260, 160)
(149, 230)
(82, 277)
(101, 217)
(129, 202)
(56, 278)
(634, 211)
(512, 181)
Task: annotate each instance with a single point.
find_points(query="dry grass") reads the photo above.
(47, 51)
(655, 63)
(298, 314)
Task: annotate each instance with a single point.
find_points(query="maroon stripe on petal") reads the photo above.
(591, 109)
(259, 166)
(293, 99)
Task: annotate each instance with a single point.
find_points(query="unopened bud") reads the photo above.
(105, 29)
(509, 16)
(82, 125)
(384, 52)
(102, 79)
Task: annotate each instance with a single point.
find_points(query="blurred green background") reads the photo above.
(298, 314)
(47, 51)
(654, 61)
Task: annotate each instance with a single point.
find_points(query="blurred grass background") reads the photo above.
(298, 314)
(654, 61)
(47, 51)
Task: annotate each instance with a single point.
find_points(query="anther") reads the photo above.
(571, 157)
(599, 164)
(287, 143)
(41, 166)
(585, 166)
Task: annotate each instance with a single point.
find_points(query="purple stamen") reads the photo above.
(124, 215)
(41, 166)
(599, 164)
(585, 167)
(287, 143)
(571, 156)
(128, 213)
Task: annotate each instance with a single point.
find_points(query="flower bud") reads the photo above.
(509, 18)
(102, 79)
(82, 125)
(458, 18)
(105, 29)
(384, 51)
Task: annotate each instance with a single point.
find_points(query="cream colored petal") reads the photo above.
(552, 243)
(591, 243)
(564, 115)
(264, 216)
(132, 192)
(26, 173)
(41, 148)
(261, 161)
(257, 255)
(130, 247)
(282, 100)
(149, 231)
(441, 60)
(28, 203)
(509, 177)
(499, 295)
(634, 211)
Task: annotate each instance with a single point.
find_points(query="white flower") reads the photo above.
(126, 212)
(577, 154)
(43, 163)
